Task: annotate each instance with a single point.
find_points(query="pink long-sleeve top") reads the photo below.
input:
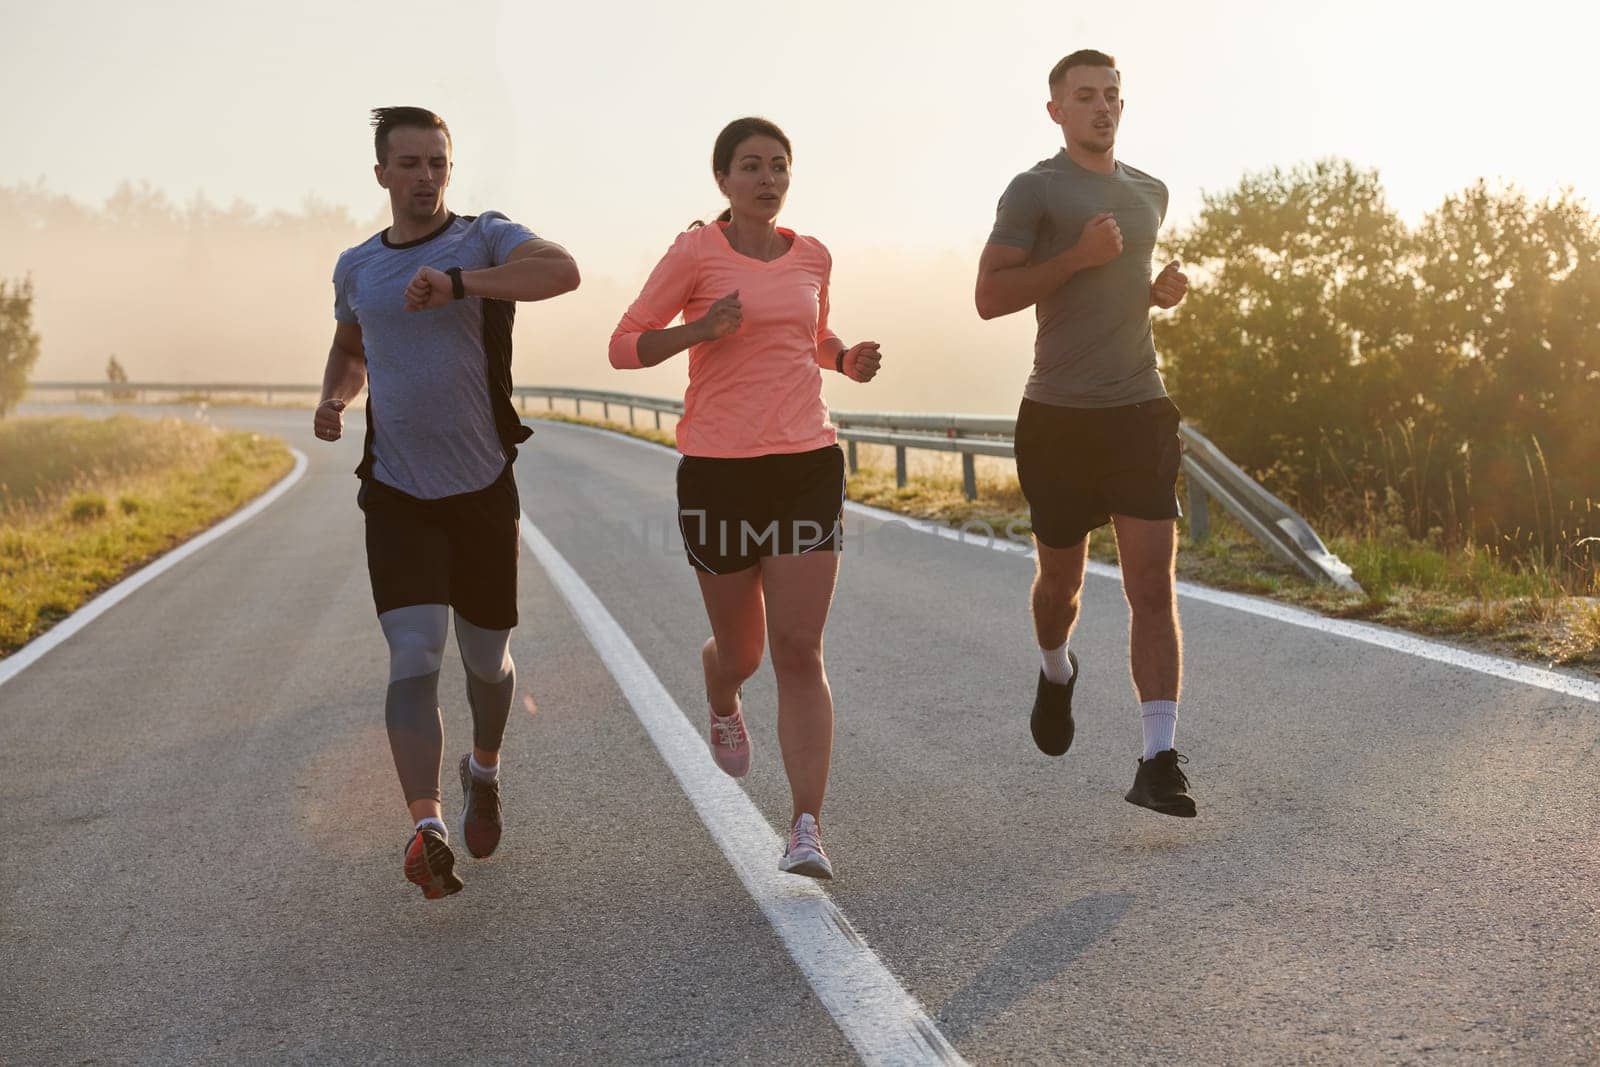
(757, 391)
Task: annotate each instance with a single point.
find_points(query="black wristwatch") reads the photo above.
(838, 363)
(458, 289)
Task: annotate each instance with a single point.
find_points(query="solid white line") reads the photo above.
(1383, 637)
(30, 653)
(1367, 633)
(880, 1019)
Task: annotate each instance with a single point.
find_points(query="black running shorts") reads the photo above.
(459, 550)
(732, 512)
(1080, 466)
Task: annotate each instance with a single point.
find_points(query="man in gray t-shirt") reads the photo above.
(1096, 437)
(423, 317)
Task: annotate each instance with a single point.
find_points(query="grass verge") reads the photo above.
(84, 501)
(1474, 597)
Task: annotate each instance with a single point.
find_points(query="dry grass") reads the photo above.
(83, 502)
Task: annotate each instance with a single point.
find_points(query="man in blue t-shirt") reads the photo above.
(423, 316)
(1096, 437)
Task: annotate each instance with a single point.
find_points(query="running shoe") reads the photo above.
(431, 864)
(480, 811)
(1161, 785)
(730, 743)
(1052, 712)
(804, 855)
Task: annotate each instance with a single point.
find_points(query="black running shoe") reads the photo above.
(1052, 712)
(431, 864)
(1161, 785)
(480, 812)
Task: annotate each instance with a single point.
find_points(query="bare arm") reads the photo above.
(828, 350)
(1008, 283)
(658, 346)
(535, 270)
(342, 380)
(721, 319)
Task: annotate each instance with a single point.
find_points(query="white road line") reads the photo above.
(883, 1021)
(31, 652)
(1393, 640)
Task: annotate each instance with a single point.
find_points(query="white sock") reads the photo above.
(482, 773)
(1159, 718)
(1057, 668)
(437, 824)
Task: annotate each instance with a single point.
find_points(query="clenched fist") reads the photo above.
(723, 318)
(1101, 240)
(428, 288)
(329, 420)
(861, 361)
(1170, 286)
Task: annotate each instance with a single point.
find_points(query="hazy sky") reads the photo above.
(593, 122)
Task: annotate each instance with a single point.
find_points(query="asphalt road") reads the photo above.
(1395, 859)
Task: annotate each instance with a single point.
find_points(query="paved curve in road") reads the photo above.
(1395, 858)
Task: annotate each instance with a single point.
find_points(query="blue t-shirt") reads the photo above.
(439, 415)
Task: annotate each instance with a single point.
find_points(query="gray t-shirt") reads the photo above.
(431, 375)
(1094, 348)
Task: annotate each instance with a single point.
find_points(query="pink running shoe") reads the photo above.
(730, 743)
(804, 855)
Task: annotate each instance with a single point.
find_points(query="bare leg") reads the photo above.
(799, 592)
(1058, 591)
(1148, 549)
(738, 634)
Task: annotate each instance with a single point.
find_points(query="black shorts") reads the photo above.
(1080, 466)
(732, 512)
(459, 550)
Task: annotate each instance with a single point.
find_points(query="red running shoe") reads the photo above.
(431, 865)
(480, 811)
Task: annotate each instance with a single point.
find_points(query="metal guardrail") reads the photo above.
(136, 390)
(1211, 475)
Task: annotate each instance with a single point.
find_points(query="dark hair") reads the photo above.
(1083, 57)
(736, 133)
(385, 119)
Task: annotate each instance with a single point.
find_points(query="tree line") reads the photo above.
(1439, 381)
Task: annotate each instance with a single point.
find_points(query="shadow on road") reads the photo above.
(1034, 955)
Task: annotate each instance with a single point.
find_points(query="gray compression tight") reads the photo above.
(416, 637)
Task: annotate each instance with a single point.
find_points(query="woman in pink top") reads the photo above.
(761, 481)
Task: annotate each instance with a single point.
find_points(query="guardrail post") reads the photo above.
(658, 418)
(550, 403)
(969, 475)
(900, 466)
(630, 414)
(605, 410)
(577, 403)
(850, 452)
(1199, 516)
(269, 398)
(524, 399)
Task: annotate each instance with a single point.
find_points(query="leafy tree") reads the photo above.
(1299, 315)
(19, 345)
(1509, 326)
(1353, 363)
